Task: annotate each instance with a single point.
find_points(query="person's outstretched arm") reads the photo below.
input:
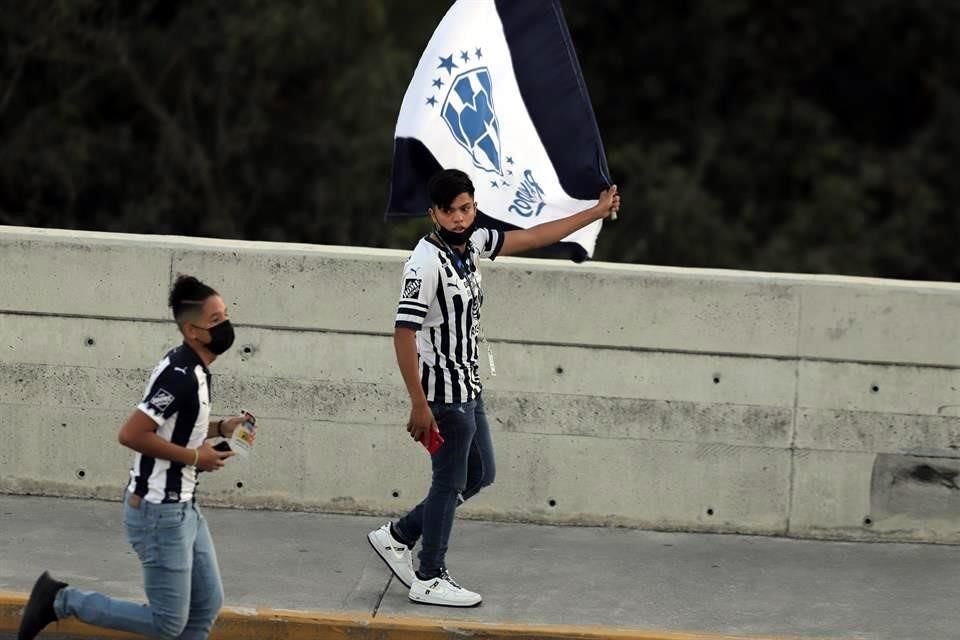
(542, 235)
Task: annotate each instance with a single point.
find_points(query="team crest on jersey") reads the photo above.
(161, 399)
(411, 288)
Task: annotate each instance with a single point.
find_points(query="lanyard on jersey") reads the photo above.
(467, 273)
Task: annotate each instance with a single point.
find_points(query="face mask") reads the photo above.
(221, 337)
(452, 237)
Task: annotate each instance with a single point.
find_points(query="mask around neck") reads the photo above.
(454, 238)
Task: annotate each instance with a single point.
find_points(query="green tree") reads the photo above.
(745, 134)
(770, 136)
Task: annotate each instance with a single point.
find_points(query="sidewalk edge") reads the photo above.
(248, 623)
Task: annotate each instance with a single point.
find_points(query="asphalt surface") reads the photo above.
(739, 585)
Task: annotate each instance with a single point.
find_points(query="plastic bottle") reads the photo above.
(242, 439)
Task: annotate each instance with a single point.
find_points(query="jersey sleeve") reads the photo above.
(418, 289)
(488, 242)
(169, 390)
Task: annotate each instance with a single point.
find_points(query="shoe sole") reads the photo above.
(449, 606)
(386, 562)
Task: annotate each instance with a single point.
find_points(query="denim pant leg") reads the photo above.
(481, 472)
(481, 469)
(206, 592)
(163, 536)
(434, 516)
(481, 466)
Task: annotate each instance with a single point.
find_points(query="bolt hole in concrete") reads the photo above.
(560, 371)
(710, 511)
(248, 350)
(875, 388)
(239, 485)
(716, 379)
(91, 342)
(81, 474)
(867, 521)
(552, 502)
(396, 494)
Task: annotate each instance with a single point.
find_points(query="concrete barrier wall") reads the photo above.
(640, 396)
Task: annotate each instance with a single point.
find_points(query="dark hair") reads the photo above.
(188, 295)
(446, 185)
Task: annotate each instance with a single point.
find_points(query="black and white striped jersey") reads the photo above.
(177, 398)
(438, 301)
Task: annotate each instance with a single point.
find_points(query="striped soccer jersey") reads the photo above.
(177, 398)
(439, 301)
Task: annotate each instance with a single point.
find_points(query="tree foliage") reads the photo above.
(819, 137)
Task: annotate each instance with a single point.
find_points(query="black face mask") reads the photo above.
(221, 337)
(452, 237)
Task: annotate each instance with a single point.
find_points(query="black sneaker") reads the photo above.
(39, 610)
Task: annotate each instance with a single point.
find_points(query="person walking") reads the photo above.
(168, 431)
(437, 340)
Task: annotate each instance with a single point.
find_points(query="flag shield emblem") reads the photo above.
(469, 113)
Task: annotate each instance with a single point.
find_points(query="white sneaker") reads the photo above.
(443, 591)
(395, 553)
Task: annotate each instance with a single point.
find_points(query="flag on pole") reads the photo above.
(499, 94)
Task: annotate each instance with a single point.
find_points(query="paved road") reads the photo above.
(528, 574)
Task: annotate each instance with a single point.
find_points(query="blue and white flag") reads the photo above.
(499, 94)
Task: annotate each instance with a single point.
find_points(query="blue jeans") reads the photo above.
(181, 577)
(461, 467)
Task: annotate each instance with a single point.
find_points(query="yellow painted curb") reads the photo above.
(238, 623)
